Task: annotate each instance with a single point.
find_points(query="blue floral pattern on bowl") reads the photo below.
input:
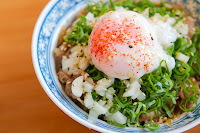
(54, 15)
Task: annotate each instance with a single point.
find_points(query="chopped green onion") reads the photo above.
(167, 111)
(116, 124)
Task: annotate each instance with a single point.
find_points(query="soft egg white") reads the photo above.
(124, 44)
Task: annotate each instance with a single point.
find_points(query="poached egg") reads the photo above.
(124, 44)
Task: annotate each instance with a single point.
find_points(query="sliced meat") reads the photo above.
(59, 53)
(181, 93)
(69, 29)
(196, 83)
(58, 58)
(62, 76)
(197, 77)
(82, 12)
(80, 103)
(68, 52)
(68, 88)
(160, 120)
(146, 118)
(191, 23)
(61, 35)
(67, 80)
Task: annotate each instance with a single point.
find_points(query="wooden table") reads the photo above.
(25, 108)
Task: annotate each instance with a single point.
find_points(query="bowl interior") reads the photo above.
(59, 13)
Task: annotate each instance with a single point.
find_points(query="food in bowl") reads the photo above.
(131, 64)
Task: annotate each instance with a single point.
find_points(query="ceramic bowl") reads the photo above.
(58, 13)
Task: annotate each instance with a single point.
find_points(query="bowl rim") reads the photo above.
(38, 24)
(87, 124)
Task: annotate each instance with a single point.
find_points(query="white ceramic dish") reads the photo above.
(56, 14)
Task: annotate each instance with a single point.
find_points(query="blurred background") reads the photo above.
(24, 106)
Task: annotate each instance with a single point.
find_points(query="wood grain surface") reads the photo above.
(24, 106)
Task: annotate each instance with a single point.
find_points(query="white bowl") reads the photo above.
(56, 14)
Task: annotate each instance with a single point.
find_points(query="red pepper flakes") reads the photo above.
(109, 34)
(138, 64)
